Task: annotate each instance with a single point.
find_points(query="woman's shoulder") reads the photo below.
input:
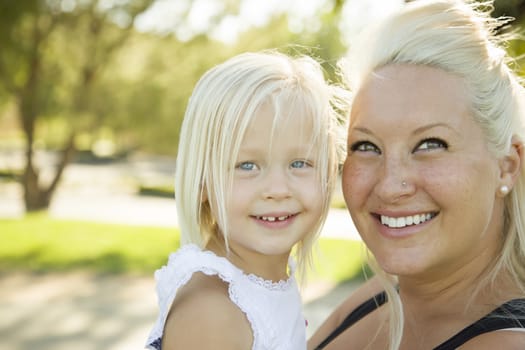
(203, 317)
(504, 327)
(358, 297)
(362, 294)
(501, 339)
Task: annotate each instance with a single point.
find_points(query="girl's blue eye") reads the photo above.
(364, 146)
(430, 144)
(248, 166)
(299, 164)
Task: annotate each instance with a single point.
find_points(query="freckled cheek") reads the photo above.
(356, 182)
(444, 181)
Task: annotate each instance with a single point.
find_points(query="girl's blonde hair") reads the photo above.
(223, 104)
(460, 38)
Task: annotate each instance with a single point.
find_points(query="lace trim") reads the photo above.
(167, 287)
(281, 285)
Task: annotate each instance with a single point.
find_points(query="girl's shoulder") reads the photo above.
(200, 272)
(189, 259)
(210, 320)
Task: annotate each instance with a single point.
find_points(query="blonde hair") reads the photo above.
(460, 38)
(220, 110)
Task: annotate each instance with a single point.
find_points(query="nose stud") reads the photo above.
(404, 183)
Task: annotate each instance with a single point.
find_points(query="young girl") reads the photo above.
(257, 162)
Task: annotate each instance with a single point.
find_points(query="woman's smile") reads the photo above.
(403, 221)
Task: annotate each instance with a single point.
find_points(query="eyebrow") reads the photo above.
(424, 128)
(419, 130)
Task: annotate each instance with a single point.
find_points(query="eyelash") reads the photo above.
(355, 147)
(242, 164)
(370, 147)
(253, 166)
(439, 143)
(304, 164)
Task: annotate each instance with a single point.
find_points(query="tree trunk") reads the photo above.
(37, 197)
(34, 197)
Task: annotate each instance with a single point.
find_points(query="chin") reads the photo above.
(404, 266)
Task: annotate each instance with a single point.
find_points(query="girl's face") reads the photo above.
(418, 180)
(276, 199)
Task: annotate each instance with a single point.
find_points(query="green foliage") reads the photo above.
(149, 85)
(140, 90)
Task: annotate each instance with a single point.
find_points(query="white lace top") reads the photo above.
(273, 309)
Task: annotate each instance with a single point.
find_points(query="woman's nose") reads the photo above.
(396, 181)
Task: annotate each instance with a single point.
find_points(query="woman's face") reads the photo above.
(419, 181)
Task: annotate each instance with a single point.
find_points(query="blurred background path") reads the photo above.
(85, 311)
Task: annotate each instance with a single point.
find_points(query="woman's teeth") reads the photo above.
(405, 220)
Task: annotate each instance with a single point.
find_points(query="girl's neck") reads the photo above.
(269, 267)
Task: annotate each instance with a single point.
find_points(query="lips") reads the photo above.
(403, 221)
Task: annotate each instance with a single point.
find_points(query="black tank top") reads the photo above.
(508, 315)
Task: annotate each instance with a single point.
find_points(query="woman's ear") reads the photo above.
(511, 164)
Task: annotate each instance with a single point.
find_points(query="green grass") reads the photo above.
(41, 244)
(339, 260)
(156, 191)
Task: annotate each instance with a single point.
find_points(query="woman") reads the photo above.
(434, 180)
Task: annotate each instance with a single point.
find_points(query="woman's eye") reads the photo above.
(299, 164)
(247, 166)
(430, 144)
(364, 146)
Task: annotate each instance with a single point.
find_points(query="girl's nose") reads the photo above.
(276, 185)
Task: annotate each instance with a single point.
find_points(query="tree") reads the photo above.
(52, 53)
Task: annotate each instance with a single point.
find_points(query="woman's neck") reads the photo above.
(436, 308)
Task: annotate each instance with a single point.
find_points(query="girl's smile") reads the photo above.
(276, 198)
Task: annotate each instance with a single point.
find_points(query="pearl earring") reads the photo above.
(504, 189)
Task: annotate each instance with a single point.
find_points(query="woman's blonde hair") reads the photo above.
(460, 38)
(223, 104)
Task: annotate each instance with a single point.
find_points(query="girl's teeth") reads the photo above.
(273, 218)
(405, 221)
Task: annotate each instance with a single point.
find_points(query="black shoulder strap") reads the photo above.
(509, 315)
(357, 314)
